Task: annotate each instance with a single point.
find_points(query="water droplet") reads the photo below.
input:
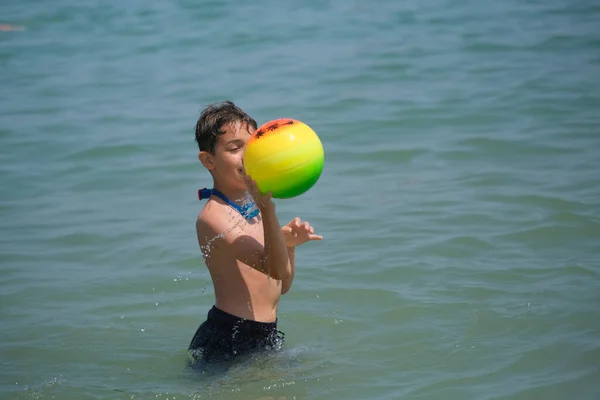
(142, 329)
(122, 316)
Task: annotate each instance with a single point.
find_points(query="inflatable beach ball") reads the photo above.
(284, 157)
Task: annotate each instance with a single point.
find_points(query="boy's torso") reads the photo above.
(239, 289)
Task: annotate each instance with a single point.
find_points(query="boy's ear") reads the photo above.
(206, 159)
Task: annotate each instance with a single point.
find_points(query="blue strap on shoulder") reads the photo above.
(247, 211)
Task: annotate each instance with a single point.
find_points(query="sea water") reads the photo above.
(459, 202)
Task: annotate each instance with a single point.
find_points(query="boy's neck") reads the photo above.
(235, 195)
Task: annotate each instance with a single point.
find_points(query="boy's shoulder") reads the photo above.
(210, 219)
(215, 221)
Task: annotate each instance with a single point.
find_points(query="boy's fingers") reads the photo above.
(315, 237)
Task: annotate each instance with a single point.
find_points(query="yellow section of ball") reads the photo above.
(284, 157)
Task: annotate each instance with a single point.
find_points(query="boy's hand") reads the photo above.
(297, 232)
(262, 200)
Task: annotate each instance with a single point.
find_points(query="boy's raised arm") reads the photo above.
(276, 257)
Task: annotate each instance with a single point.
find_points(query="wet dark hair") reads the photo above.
(212, 120)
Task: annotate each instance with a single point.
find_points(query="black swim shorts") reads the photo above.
(225, 337)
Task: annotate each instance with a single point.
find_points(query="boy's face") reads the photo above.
(226, 164)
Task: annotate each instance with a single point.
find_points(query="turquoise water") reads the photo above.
(460, 200)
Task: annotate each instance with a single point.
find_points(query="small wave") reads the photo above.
(105, 152)
(458, 247)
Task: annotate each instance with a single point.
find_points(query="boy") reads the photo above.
(250, 257)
